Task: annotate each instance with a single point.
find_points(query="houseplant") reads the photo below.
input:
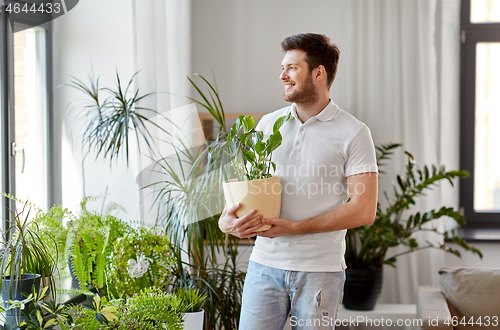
(193, 314)
(189, 205)
(115, 117)
(259, 188)
(90, 243)
(54, 222)
(24, 260)
(41, 314)
(141, 258)
(395, 224)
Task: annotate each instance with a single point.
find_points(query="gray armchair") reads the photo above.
(467, 299)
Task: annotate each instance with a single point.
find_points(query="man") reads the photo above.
(327, 156)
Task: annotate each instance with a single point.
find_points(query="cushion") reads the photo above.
(474, 293)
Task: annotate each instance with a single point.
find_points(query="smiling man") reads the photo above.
(327, 157)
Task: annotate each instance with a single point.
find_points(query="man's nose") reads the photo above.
(283, 75)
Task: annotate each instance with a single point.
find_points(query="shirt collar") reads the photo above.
(325, 115)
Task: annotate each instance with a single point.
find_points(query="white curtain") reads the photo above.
(162, 41)
(404, 84)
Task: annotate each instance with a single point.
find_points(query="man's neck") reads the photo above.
(306, 111)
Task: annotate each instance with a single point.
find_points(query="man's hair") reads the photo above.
(319, 51)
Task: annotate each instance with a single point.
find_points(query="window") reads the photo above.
(480, 118)
(25, 112)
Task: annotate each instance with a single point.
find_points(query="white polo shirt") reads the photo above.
(313, 162)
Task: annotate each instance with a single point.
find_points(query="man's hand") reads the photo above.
(280, 227)
(243, 227)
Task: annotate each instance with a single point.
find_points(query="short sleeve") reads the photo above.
(361, 157)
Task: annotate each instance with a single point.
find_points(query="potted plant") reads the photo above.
(193, 314)
(25, 261)
(259, 189)
(141, 258)
(115, 117)
(189, 205)
(395, 224)
(41, 314)
(156, 308)
(90, 243)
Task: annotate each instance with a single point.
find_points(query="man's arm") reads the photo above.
(361, 210)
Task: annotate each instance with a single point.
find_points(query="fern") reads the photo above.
(78, 267)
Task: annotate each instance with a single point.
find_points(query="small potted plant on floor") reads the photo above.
(25, 261)
(193, 314)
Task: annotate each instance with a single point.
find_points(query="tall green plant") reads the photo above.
(190, 201)
(114, 114)
(367, 246)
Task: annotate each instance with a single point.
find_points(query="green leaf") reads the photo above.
(412, 243)
(249, 155)
(280, 121)
(260, 147)
(248, 123)
(400, 182)
(273, 142)
(99, 317)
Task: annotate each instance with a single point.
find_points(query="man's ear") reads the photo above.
(320, 73)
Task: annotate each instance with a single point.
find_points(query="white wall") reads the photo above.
(94, 35)
(240, 41)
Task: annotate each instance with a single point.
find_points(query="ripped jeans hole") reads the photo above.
(317, 298)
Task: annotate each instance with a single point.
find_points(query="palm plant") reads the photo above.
(116, 118)
(367, 246)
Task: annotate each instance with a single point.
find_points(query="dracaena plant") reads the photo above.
(395, 224)
(256, 152)
(116, 116)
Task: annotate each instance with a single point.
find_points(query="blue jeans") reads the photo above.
(270, 295)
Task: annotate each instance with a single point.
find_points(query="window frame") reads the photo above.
(481, 226)
(7, 120)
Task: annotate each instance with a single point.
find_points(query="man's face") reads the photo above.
(299, 85)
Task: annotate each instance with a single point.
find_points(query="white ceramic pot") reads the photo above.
(263, 195)
(194, 321)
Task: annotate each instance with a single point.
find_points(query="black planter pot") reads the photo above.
(362, 288)
(11, 291)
